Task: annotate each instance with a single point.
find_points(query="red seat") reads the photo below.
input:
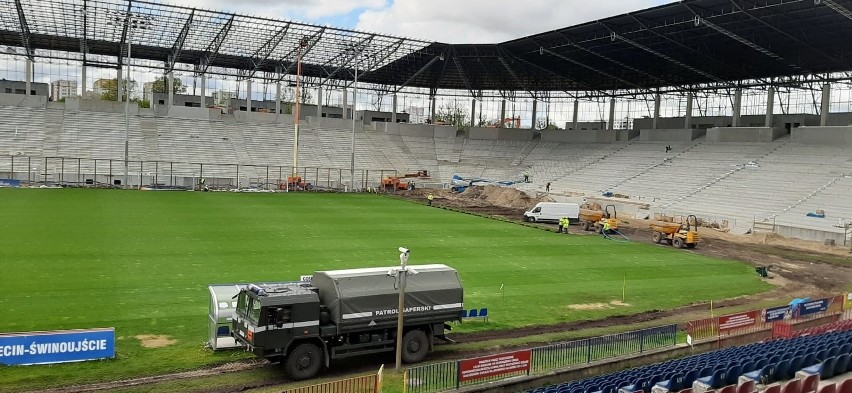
(689, 390)
(773, 389)
(729, 389)
(845, 386)
(747, 387)
(810, 383)
(794, 386)
(828, 389)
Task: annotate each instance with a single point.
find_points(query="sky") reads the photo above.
(450, 21)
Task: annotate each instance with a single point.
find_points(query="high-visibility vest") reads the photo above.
(431, 197)
(606, 226)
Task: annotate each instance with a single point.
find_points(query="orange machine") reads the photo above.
(393, 183)
(294, 183)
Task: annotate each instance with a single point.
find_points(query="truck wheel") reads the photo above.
(690, 245)
(657, 238)
(677, 242)
(303, 362)
(410, 187)
(415, 344)
(587, 225)
(598, 228)
(531, 219)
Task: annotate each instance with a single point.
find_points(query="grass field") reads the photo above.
(141, 262)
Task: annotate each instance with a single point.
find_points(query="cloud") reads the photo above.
(489, 21)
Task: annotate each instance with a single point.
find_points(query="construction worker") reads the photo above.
(561, 223)
(430, 198)
(202, 185)
(606, 229)
(547, 187)
(564, 222)
(526, 177)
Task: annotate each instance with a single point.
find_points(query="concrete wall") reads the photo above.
(375, 116)
(503, 134)
(810, 234)
(671, 135)
(744, 134)
(586, 125)
(20, 87)
(184, 100)
(263, 118)
(706, 122)
(823, 135)
(184, 112)
(445, 132)
(580, 136)
(23, 100)
(78, 104)
(626, 135)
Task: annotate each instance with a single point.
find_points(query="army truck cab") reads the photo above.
(346, 313)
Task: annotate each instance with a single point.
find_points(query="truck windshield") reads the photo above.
(243, 304)
(254, 314)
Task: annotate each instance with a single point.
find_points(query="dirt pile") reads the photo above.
(503, 196)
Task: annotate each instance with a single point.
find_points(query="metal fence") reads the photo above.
(362, 384)
(445, 376)
(90, 172)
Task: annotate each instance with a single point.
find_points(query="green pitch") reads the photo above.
(141, 262)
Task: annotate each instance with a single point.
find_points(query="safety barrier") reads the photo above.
(364, 384)
(455, 374)
(727, 328)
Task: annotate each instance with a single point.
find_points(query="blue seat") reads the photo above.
(733, 375)
(223, 331)
(842, 364)
(472, 314)
(782, 370)
(483, 313)
(716, 380)
(464, 313)
(827, 369)
(795, 364)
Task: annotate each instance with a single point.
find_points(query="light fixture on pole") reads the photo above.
(402, 275)
(298, 112)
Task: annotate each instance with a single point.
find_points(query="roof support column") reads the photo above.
(393, 108)
(432, 111)
(248, 95)
(825, 107)
(473, 112)
(345, 104)
(690, 96)
(502, 114)
(277, 98)
(576, 115)
(611, 125)
(118, 84)
(83, 80)
(770, 106)
(534, 114)
(29, 79)
(319, 103)
(171, 88)
(738, 106)
(203, 95)
(656, 122)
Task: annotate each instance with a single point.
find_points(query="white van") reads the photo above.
(552, 212)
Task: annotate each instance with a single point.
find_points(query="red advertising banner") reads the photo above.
(490, 366)
(736, 321)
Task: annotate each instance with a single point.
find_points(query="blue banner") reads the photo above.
(777, 314)
(814, 306)
(57, 346)
(10, 183)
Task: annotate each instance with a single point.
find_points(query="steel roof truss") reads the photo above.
(174, 54)
(213, 48)
(261, 55)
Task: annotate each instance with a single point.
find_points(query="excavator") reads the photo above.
(596, 219)
(680, 235)
(294, 183)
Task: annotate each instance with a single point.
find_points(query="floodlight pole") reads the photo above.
(402, 275)
(354, 106)
(298, 111)
(126, 112)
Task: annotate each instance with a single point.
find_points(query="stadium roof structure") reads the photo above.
(688, 43)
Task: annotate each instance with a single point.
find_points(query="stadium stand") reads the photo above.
(737, 183)
(746, 366)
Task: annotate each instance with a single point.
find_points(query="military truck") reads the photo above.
(344, 313)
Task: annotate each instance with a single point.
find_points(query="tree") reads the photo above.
(110, 89)
(451, 114)
(161, 85)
